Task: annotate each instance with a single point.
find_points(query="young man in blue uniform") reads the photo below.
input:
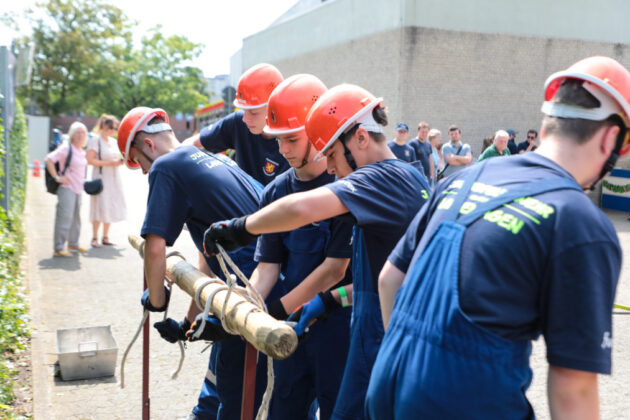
(379, 193)
(256, 152)
(192, 187)
(399, 146)
(312, 259)
(422, 148)
(459, 339)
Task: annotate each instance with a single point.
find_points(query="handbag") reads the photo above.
(95, 186)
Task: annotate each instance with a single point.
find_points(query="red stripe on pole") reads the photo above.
(146, 405)
(249, 382)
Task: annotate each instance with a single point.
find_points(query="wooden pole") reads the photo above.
(270, 336)
(146, 401)
(249, 382)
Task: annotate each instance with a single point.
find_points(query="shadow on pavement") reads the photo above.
(106, 253)
(63, 263)
(95, 381)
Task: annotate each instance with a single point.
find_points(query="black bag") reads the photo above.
(94, 186)
(51, 184)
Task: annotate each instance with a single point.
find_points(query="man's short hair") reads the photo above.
(532, 131)
(501, 133)
(571, 92)
(453, 127)
(423, 124)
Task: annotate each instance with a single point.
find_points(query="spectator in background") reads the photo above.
(487, 142)
(457, 155)
(399, 145)
(528, 145)
(435, 140)
(102, 153)
(512, 141)
(422, 147)
(68, 213)
(499, 146)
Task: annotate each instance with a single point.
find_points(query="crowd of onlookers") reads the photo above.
(437, 159)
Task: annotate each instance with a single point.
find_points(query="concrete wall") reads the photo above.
(482, 82)
(340, 21)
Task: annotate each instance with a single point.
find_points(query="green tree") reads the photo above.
(74, 40)
(155, 75)
(85, 61)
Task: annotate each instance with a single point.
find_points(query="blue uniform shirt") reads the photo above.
(272, 247)
(256, 155)
(423, 154)
(191, 186)
(404, 152)
(563, 282)
(382, 198)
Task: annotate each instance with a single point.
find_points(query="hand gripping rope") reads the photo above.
(257, 300)
(145, 313)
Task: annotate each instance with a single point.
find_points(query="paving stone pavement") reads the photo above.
(103, 286)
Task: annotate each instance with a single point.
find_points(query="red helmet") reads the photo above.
(136, 120)
(606, 79)
(289, 103)
(255, 86)
(336, 111)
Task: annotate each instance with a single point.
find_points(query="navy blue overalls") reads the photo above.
(367, 325)
(220, 396)
(315, 370)
(435, 362)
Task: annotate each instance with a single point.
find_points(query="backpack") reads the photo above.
(51, 184)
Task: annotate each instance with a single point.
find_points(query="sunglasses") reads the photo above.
(531, 137)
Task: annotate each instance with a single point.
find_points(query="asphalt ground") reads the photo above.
(103, 287)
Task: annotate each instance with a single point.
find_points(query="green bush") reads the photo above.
(14, 322)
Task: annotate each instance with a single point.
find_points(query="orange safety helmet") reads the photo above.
(335, 112)
(605, 79)
(289, 103)
(255, 86)
(134, 121)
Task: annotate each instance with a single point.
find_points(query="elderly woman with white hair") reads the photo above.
(68, 218)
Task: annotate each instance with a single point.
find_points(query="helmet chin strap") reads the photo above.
(614, 155)
(348, 155)
(305, 159)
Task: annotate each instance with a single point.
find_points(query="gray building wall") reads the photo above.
(481, 82)
(480, 65)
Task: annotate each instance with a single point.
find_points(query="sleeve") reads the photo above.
(59, 153)
(270, 247)
(414, 157)
(466, 149)
(167, 209)
(340, 244)
(405, 248)
(220, 135)
(93, 143)
(577, 306)
(446, 150)
(368, 203)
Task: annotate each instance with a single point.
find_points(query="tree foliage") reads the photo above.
(85, 61)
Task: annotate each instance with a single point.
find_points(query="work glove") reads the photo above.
(171, 330)
(146, 302)
(230, 234)
(276, 310)
(212, 330)
(317, 308)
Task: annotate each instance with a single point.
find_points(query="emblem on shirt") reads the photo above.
(348, 185)
(607, 341)
(270, 167)
(407, 153)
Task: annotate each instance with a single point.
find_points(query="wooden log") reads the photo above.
(270, 336)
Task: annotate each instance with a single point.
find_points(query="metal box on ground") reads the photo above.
(86, 353)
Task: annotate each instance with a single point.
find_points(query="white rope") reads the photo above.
(182, 353)
(133, 340)
(223, 258)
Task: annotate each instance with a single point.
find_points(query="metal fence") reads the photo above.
(7, 89)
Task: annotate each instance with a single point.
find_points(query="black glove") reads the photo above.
(212, 331)
(146, 302)
(171, 330)
(230, 234)
(276, 310)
